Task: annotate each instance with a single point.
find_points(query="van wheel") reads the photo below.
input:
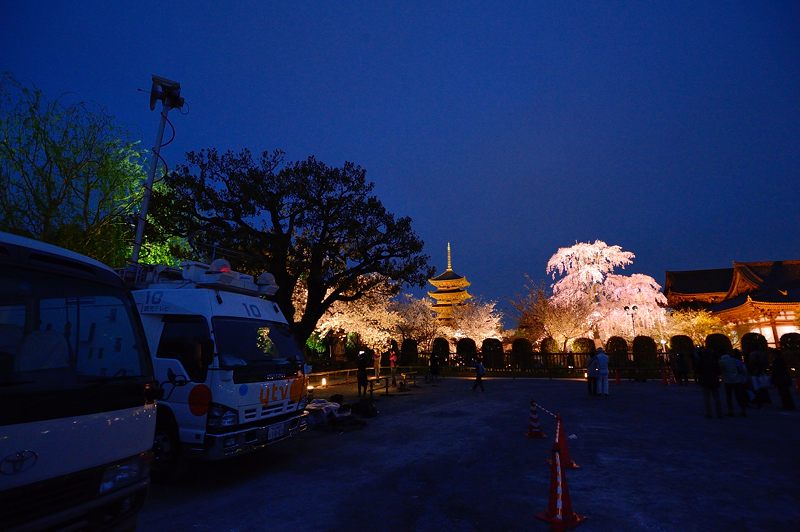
(166, 451)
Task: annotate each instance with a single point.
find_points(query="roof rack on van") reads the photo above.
(217, 275)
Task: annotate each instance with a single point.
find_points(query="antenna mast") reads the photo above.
(169, 92)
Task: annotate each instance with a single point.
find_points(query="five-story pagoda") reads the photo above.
(450, 290)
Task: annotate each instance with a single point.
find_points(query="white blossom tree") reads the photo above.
(370, 316)
(416, 320)
(645, 303)
(475, 319)
(583, 266)
(565, 318)
(619, 305)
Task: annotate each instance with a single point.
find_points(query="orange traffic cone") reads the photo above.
(559, 511)
(561, 443)
(534, 427)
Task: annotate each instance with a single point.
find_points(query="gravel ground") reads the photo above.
(443, 457)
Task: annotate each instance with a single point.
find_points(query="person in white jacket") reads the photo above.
(602, 372)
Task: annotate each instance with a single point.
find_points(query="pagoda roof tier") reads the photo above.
(448, 275)
(456, 297)
(447, 291)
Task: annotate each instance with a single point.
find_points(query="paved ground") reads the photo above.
(445, 458)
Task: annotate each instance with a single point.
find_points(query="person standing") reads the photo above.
(708, 378)
(757, 365)
(591, 373)
(376, 357)
(434, 368)
(782, 381)
(361, 374)
(393, 364)
(730, 379)
(602, 372)
(480, 371)
(741, 387)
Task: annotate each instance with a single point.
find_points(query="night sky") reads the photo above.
(669, 128)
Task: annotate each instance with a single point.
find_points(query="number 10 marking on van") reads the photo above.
(252, 310)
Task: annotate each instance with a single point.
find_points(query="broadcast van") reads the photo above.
(232, 374)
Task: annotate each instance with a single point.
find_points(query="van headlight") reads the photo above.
(125, 473)
(222, 416)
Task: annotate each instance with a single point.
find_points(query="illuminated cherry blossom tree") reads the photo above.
(370, 316)
(621, 305)
(645, 303)
(416, 320)
(475, 319)
(583, 266)
(561, 318)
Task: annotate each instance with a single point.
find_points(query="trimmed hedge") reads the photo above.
(549, 345)
(441, 350)
(521, 351)
(790, 346)
(645, 356)
(720, 344)
(790, 342)
(681, 344)
(583, 345)
(466, 351)
(493, 356)
(409, 352)
(753, 342)
(617, 350)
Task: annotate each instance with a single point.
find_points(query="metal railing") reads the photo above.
(349, 376)
(547, 365)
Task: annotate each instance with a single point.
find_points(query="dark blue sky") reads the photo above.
(669, 128)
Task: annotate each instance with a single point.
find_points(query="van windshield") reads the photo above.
(242, 342)
(65, 343)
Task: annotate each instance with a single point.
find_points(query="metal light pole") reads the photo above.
(169, 92)
(631, 311)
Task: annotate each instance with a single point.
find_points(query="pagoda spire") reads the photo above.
(449, 261)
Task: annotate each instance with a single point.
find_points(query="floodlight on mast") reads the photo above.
(169, 93)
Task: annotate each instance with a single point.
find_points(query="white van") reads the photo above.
(232, 373)
(77, 410)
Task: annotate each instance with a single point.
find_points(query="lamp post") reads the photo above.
(631, 311)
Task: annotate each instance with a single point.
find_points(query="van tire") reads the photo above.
(167, 455)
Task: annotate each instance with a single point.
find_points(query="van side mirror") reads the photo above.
(176, 380)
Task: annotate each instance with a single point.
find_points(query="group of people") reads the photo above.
(597, 373)
(363, 360)
(748, 382)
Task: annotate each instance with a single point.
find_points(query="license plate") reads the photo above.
(276, 431)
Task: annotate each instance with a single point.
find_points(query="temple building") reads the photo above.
(762, 297)
(450, 290)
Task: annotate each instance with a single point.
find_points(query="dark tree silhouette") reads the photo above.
(305, 222)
